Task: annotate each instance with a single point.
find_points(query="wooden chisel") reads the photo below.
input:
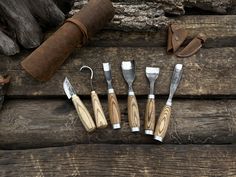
(128, 70)
(113, 106)
(152, 74)
(164, 119)
(82, 111)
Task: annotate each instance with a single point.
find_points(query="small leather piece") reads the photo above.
(176, 37)
(4, 82)
(47, 58)
(193, 47)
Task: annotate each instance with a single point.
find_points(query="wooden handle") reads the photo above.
(114, 110)
(133, 113)
(100, 118)
(162, 124)
(83, 113)
(150, 115)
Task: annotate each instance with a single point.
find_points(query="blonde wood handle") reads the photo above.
(100, 118)
(133, 113)
(114, 110)
(162, 124)
(150, 115)
(83, 113)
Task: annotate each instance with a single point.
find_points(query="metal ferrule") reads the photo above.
(135, 129)
(111, 90)
(116, 126)
(169, 102)
(151, 96)
(158, 138)
(149, 132)
(131, 91)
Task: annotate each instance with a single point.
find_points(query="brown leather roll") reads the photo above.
(47, 58)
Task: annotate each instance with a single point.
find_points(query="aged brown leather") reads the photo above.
(176, 37)
(193, 47)
(47, 58)
(4, 82)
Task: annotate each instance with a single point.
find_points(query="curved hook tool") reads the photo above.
(91, 75)
(100, 118)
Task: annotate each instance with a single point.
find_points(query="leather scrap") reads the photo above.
(47, 58)
(4, 82)
(193, 47)
(176, 37)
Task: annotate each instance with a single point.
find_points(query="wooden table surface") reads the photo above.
(41, 135)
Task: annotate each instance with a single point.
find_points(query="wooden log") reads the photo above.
(7, 45)
(209, 72)
(21, 21)
(121, 160)
(143, 15)
(46, 123)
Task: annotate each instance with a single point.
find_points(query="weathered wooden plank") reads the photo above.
(210, 72)
(46, 123)
(121, 160)
(220, 31)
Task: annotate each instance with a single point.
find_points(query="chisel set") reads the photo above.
(157, 128)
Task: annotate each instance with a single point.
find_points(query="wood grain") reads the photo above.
(209, 72)
(133, 112)
(101, 121)
(121, 160)
(56, 123)
(163, 122)
(220, 32)
(113, 109)
(83, 113)
(150, 115)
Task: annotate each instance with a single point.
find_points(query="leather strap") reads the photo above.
(193, 47)
(81, 27)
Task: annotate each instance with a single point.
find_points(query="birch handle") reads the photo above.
(83, 113)
(163, 123)
(100, 118)
(114, 110)
(150, 115)
(133, 112)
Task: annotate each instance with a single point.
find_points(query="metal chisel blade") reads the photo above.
(128, 70)
(107, 73)
(176, 78)
(69, 90)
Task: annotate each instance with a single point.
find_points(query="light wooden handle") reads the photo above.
(100, 118)
(162, 124)
(114, 110)
(83, 113)
(133, 113)
(150, 115)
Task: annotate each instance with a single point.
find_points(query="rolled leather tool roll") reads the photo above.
(47, 58)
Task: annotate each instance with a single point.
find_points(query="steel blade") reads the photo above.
(69, 90)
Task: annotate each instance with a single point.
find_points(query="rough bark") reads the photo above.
(21, 21)
(152, 14)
